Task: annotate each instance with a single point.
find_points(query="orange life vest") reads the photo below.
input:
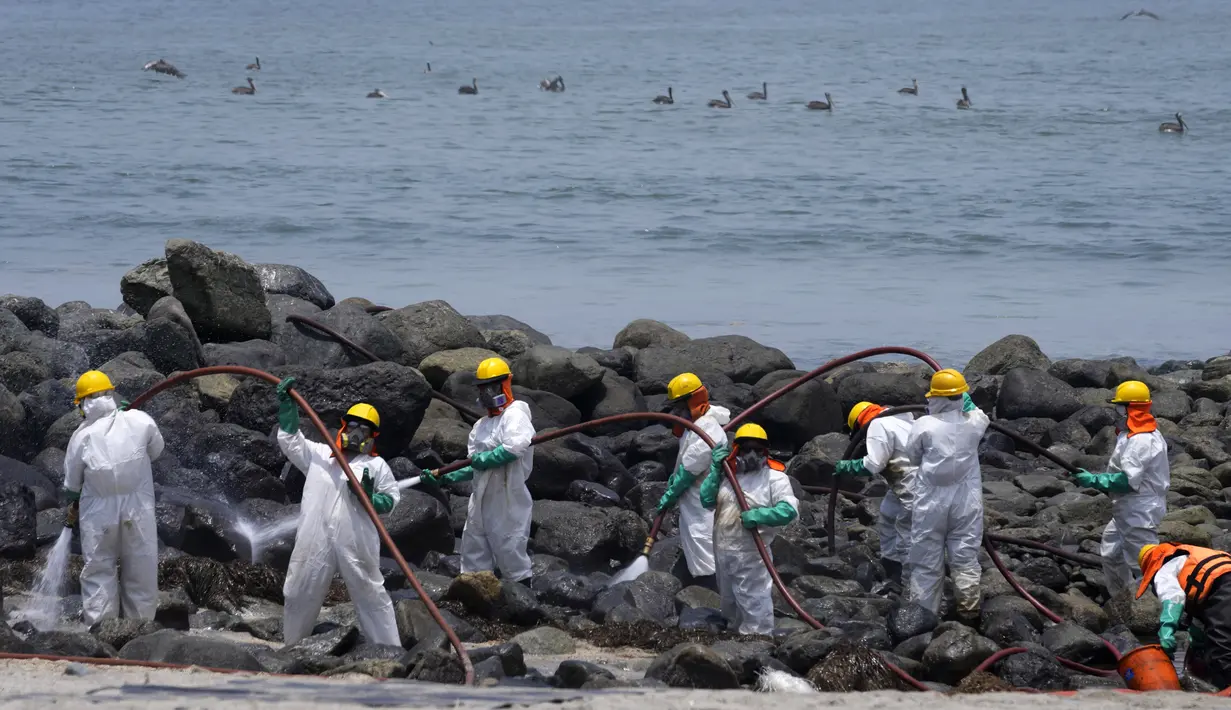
(1198, 574)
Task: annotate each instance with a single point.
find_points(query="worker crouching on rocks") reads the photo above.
(947, 515)
(335, 533)
(1197, 581)
(743, 580)
(886, 443)
(498, 516)
(1137, 480)
(688, 399)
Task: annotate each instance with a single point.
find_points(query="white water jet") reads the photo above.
(260, 537)
(42, 610)
(409, 482)
(639, 566)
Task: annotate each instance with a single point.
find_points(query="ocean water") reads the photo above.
(1053, 208)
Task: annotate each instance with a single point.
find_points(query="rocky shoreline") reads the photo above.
(223, 477)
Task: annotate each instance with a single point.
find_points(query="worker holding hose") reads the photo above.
(1196, 580)
(1137, 480)
(109, 481)
(743, 580)
(335, 533)
(947, 514)
(498, 515)
(688, 399)
(886, 443)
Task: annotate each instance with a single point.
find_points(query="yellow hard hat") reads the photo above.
(92, 382)
(853, 417)
(493, 369)
(948, 383)
(683, 385)
(364, 411)
(752, 431)
(1132, 392)
(1145, 550)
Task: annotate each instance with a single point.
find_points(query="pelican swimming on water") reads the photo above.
(964, 102)
(760, 95)
(555, 85)
(826, 105)
(1140, 13)
(1178, 127)
(913, 89)
(668, 99)
(377, 94)
(429, 68)
(472, 88)
(715, 103)
(248, 90)
(256, 66)
(162, 66)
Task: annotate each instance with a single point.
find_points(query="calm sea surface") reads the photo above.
(1053, 208)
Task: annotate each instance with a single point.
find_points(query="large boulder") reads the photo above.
(439, 365)
(294, 281)
(586, 536)
(429, 327)
(304, 345)
(733, 357)
(419, 524)
(612, 395)
(22, 371)
(800, 415)
(556, 466)
(44, 490)
(557, 370)
(18, 522)
(65, 359)
(646, 333)
(102, 333)
(446, 437)
(33, 313)
(952, 655)
(1076, 643)
(692, 665)
(1011, 351)
(221, 292)
(814, 464)
(400, 394)
(257, 354)
(509, 324)
(888, 389)
(13, 419)
(143, 285)
(169, 646)
(1027, 392)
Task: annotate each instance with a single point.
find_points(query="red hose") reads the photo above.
(356, 487)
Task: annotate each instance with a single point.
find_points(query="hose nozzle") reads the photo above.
(649, 542)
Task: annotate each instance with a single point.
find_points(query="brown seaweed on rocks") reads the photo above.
(850, 667)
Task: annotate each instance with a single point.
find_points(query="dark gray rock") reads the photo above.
(806, 412)
(33, 313)
(64, 359)
(702, 619)
(735, 357)
(567, 590)
(334, 642)
(508, 323)
(221, 293)
(437, 666)
(400, 394)
(654, 443)
(612, 395)
(692, 665)
(294, 281)
(618, 360)
(574, 674)
(70, 643)
(143, 285)
(585, 536)
(1026, 392)
(557, 370)
(954, 654)
(645, 333)
(653, 593)
(556, 467)
(519, 605)
(558, 410)
(18, 522)
(1067, 432)
(20, 371)
(1011, 351)
(1170, 404)
(174, 609)
(914, 646)
(888, 389)
(508, 344)
(429, 327)
(257, 354)
(1045, 572)
(545, 640)
(909, 620)
(116, 633)
(1082, 373)
(419, 524)
(695, 597)
(593, 494)
(1036, 668)
(800, 652)
(1039, 485)
(1076, 643)
(177, 647)
(10, 642)
(309, 347)
(511, 657)
(1009, 629)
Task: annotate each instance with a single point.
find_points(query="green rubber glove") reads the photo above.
(495, 458)
(680, 482)
(775, 516)
(850, 467)
(713, 480)
(367, 483)
(124, 405)
(968, 404)
(460, 475)
(288, 412)
(382, 502)
(1169, 623)
(1112, 482)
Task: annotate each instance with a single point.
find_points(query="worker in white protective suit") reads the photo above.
(743, 580)
(109, 482)
(948, 495)
(886, 444)
(498, 516)
(1137, 480)
(335, 533)
(688, 399)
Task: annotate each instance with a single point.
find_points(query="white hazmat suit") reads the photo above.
(498, 515)
(697, 523)
(108, 463)
(1135, 516)
(886, 442)
(743, 580)
(335, 534)
(948, 503)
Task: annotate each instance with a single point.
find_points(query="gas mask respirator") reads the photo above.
(357, 437)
